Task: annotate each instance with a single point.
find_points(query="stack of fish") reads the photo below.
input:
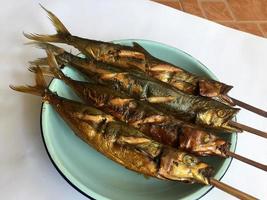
(143, 113)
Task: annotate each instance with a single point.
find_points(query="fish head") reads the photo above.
(216, 117)
(202, 143)
(211, 88)
(181, 166)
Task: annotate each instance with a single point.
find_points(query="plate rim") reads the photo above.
(118, 41)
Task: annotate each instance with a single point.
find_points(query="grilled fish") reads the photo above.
(142, 116)
(195, 109)
(119, 142)
(137, 57)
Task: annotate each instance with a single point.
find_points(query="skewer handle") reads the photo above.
(230, 190)
(248, 161)
(248, 129)
(249, 107)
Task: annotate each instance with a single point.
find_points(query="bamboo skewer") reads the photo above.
(247, 161)
(248, 107)
(248, 129)
(230, 190)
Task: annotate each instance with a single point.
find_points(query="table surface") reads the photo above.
(237, 58)
(249, 16)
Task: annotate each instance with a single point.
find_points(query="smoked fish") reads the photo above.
(137, 57)
(119, 142)
(155, 124)
(194, 109)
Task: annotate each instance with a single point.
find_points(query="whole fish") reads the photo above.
(195, 109)
(142, 116)
(119, 142)
(137, 57)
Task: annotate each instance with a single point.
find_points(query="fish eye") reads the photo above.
(189, 160)
(221, 113)
(176, 163)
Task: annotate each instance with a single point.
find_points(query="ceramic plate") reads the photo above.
(100, 178)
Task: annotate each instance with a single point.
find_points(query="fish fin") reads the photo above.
(61, 35)
(43, 38)
(45, 70)
(53, 65)
(39, 62)
(55, 50)
(60, 28)
(139, 48)
(39, 89)
(44, 45)
(52, 70)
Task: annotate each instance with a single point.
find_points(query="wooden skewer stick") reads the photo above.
(249, 107)
(248, 129)
(246, 160)
(230, 190)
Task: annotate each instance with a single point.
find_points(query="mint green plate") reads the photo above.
(100, 178)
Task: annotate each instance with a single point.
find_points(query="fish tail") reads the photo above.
(53, 65)
(46, 71)
(39, 62)
(62, 32)
(46, 46)
(40, 89)
(52, 70)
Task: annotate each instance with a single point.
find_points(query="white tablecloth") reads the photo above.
(237, 58)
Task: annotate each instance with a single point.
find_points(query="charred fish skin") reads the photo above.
(127, 146)
(142, 116)
(105, 135)
(148, 120)
(138, 57)
(201, 110)
(170, 99)
(184, 80)
(130, 58)
(127, 57)
(157, 125)
(93, 47)
(121, 143)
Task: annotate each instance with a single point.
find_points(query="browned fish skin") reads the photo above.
(124, 145)
(179, 78)
(203, 111)
(121, 143)
(157, 125)
(137, 57)
(199, 110)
